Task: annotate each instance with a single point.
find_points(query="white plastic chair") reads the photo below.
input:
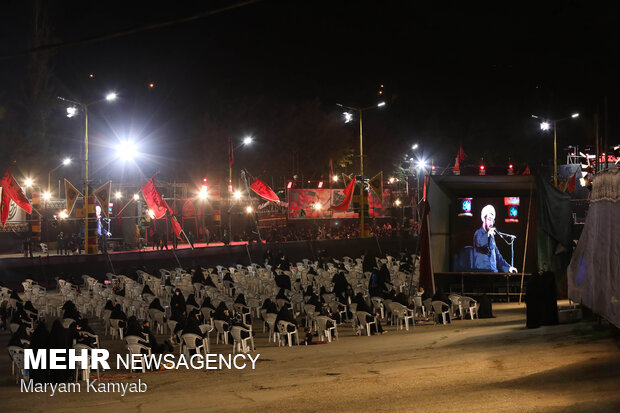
(324, 331)
(442, 310)
(283, 330)
(241, 343)
(137, 349)
(362, 323)
(188, 342)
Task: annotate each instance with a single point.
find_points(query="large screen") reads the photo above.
(488, 234)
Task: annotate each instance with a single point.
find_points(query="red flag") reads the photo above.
(14, 191)
(231, 156)
(154, 200)
(461, 155)
(572, 182)
(5, 202)
(263, 190)
(527, 170)
(331, 171)
(348, 196)
(456, 168)
(176, 227)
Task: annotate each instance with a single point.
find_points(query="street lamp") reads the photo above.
(72, 111)
(348, 118)
(65, 162)
(545, 125)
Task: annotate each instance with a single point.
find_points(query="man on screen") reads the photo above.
(486, 255)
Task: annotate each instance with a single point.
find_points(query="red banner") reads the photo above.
(348, 196)
(5, 202)
(14, 191)
(263, 190)
(154, 200)
(176, 227)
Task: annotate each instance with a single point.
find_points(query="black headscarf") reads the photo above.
(286, 315)
(134, 328)
(15, 296)
(282, 296)
(361, 303)
(147, 290)
(40, 341)
(109, 305)
(191, 300)
(193, 324)
(270, 306)
(60, 338)
(206, 303)
(198, 276)
(118, 313)
(340, 283)
(241, 300)
(209, 281)
(156, 305)
(71, 311)
(18, 336)
(219, 312)
(177, 303)
(28, 306)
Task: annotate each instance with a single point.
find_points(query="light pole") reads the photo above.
(65, 162)
(545, 125)
(348, 118)
(231, 194)
(72, 111)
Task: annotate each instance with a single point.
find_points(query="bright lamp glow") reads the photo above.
(66, 161)
(335, 178)
(247, 140)
(421, 164)
(111, 96)
(136, 197)
(151, 213)
(237, 195)
(126, 150)
(415, 146)
(574, 115)
(392, 180)
(46, 195)
(28, 182)
(249, 209)
(348, 117)
(71, 111)
(203, 193)
(380, 104)
(317, 206)
(118, 195)
(545, 126)
(582, 181)
(63, 214)
(397, 202)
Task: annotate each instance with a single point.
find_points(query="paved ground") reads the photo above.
(487, 365)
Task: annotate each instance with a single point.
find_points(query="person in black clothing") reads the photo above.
(40, 340)
(282, 296)
(285, 265)
(228, 277)
(206, 303)
(177, 303)
(156, 348)
(70, 311)
(384, 279)
(485, 308)
(147, 290)
(270, 306)
(18, 336)
(181, 320)
(198, 276)
(155, 304)
(15, 296)
(193, 326)
(191, 301)
(164, 241)
(286, 315)
(283, 281)
(362, 306)
(109, 305)
(119, 314)
(222, 312)
(399, 298)
(369, 262)
(340, 283)
(209, 281)
(60, 338)
(241, 300)
(28, 306)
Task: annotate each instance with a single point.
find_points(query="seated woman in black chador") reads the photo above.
(193, 326)
(15, 296)
(209, 281)
(18, 336)
(109, 305)
(282, 296)
(156, 348)
(191, 300)
(198, 276)
(70, 311)
(134, 328)
(206, 303)
(155, 304)
(119, 314)
(147, 290)
(60, 338)
(286, 315)
(40, 340)
(79, 333)
(270, 306)
(241, 300)
(29, 307)
(177, 302)
(362, 306)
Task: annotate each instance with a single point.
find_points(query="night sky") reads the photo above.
(452, 73)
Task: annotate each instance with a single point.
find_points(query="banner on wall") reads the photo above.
(316, 204)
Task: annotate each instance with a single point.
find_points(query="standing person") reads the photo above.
(26, 248)
(175, 242)
(60, 243)
(207, 235)
(486, 255)
(190, 238)
(164, 240)
(226, 237)
(155, 240)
